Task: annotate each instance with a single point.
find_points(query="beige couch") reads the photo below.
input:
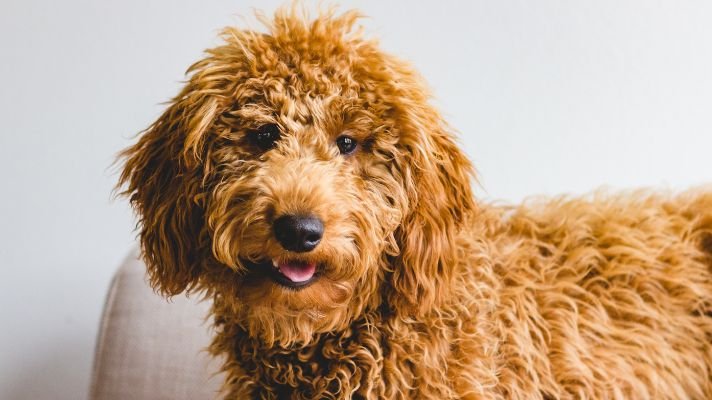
(149, 348)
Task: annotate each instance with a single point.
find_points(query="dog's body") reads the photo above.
(302, 181)
(608, 297)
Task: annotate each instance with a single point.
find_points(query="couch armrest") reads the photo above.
(150, 348)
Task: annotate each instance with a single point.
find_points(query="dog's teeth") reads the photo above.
(275, 263)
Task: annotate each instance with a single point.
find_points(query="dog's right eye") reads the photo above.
(265, 137)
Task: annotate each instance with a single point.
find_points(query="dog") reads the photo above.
(303, 182)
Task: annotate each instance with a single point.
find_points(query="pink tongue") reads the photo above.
(297, 272)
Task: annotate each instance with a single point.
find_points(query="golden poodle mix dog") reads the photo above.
(303, 182)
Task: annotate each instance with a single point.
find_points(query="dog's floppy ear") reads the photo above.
(163, 178)
(437, 180)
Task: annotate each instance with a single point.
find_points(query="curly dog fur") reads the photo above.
(420, 292)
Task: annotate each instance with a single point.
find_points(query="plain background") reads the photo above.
(549, 96)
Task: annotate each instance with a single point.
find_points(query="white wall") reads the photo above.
(550, 97)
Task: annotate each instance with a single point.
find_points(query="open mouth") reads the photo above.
(294, 274)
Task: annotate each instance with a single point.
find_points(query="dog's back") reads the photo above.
(608, 297)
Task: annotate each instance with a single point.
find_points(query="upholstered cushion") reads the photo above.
(151, 348)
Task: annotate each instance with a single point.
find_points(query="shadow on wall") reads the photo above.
(44, 374)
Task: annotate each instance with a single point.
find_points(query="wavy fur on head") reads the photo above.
(420, 294)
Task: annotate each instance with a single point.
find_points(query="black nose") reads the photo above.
(298, 233)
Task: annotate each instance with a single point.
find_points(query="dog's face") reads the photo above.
(301, 178)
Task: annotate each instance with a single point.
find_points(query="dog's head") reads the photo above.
(301, 178)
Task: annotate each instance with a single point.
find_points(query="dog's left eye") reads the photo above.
(266, 136)
(346, 144)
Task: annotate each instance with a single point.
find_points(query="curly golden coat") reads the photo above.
(421, 293)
